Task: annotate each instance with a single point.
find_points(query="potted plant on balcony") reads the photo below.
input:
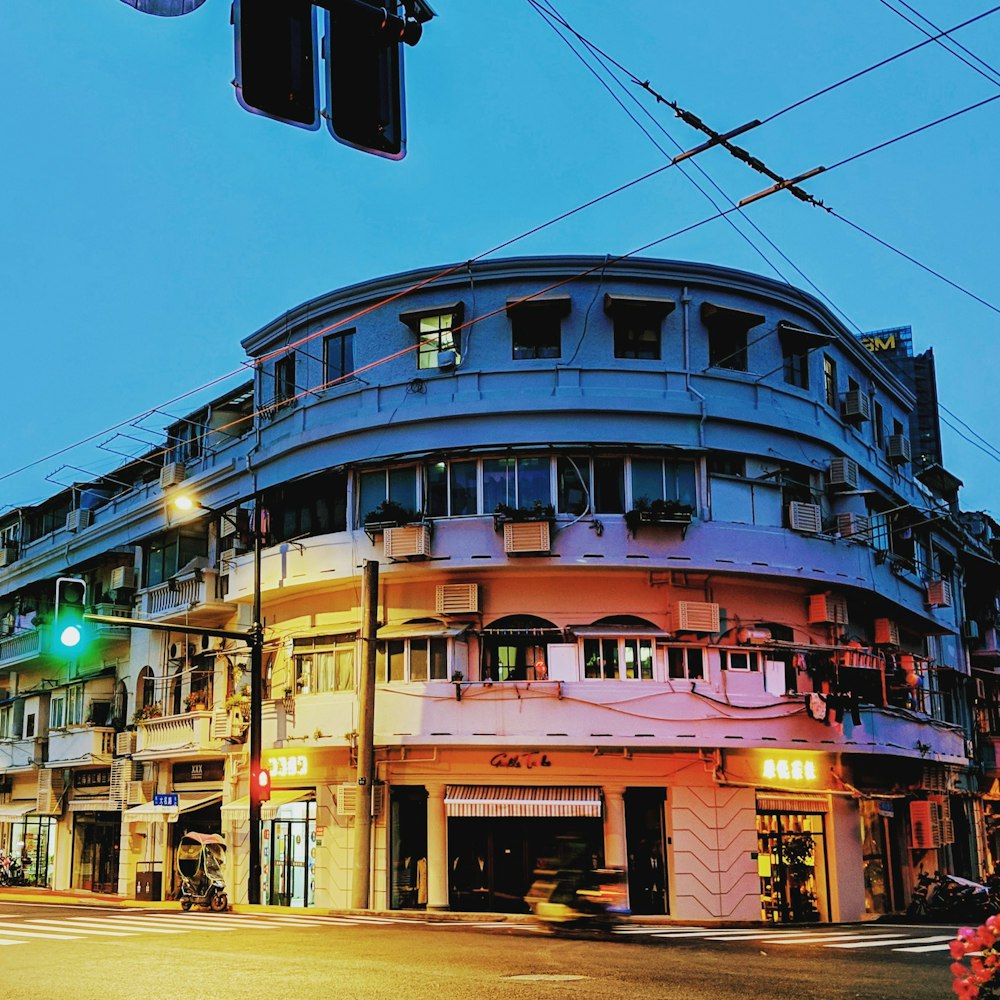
(145, 712)
(388, 514)
(538, 511)
(197, 700)
(657, 512)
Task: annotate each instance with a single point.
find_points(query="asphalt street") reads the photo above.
(54, 952)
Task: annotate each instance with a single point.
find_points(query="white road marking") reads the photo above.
(87, 924)
(879, 943)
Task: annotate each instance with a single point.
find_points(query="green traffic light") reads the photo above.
(70, 636)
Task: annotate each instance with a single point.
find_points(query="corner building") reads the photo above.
(655, 575)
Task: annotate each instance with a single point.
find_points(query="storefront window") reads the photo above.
(791, 863)
(874, 857)
(408, 850)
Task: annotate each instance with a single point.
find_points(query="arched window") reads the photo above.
(145, 689)
(514, 648)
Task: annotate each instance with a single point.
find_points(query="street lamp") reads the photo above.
(183, 502)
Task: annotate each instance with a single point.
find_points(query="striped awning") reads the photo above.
(776, 803)
(239, 809)
(518, 800)
(11, 811)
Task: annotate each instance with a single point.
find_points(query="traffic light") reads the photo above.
(276, 71)
(262, 784)
(364, 76)
(71, 599)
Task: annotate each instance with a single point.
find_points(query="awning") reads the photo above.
(506, 800)
(660, 307)
(557, 303)
(613, 631)
(777, 803)
(93, 805)
(11, 811)
(239, 809)
(413, 317)
(186, 802)
(791, 334)
(712, 313)
(407, 630)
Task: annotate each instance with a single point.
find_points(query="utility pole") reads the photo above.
(256, 684)
(361, 880)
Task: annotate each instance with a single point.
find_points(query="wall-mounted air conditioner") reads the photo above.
(925, 825)
(697, 616)
(806, 517)
(347, 799)
(456, 598)
(448, 360)
(886, 632)
(172, 474)
(526, 537)
(77, 520)
(827, 609)
(854, 526)
(970, 630)
(939, 593)
(122, 578)
(125, 743)
(843, 474)
(411, 541)
(855, 406)
(8, 553)
(50, 789)
(897, 449)
(227, 560)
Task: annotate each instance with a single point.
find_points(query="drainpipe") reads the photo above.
(685, 310)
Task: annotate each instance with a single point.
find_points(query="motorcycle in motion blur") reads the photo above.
(200, 857)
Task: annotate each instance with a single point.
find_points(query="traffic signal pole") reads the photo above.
(256, 684)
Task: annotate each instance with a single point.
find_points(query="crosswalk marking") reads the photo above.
(5, 941)
(90, 926)
(15, 931)
(880, 943)
(926, 945)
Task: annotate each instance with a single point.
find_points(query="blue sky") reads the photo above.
(149, 223)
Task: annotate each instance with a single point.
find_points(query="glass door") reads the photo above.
(292, 855)
(791, 863)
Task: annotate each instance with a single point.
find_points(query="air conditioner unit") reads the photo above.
(805, 517)
(856, 406)
(122, 578)
(827, 609)
(8, 553)
(843, 474)
(854, 526)
(925, 825)
(227, 560)
(77, 520)
(970, 630)
(897, 449)
(347, 799)
(886, 632)
(412, 541)
(234, 522)
(125, 743)
(698, 616)
(526, 537)
(942, 806)
(939, 594)
(139, 792)
(448, 360)
(456, 598)
(172, 474)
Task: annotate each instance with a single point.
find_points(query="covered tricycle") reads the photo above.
(200, 861)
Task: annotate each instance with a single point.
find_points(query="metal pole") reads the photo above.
(361, 881)
(256, 683)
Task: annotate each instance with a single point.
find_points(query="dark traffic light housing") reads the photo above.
(71, 600)
(261, 785)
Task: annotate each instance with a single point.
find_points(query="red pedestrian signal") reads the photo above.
(262, 785)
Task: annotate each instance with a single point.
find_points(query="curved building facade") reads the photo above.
(652, 572)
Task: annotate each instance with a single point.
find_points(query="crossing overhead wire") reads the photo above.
(984, 69)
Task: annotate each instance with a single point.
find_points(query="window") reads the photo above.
(57, 711)
(738, 659)
(415, 660)
(663, 479)
(324, 663)
(573, 476)
(795, 361)
(637, 326)
(516, 482)
(5, 719)
(878, 531)
(166, 556)
(452, 489)
(145, 688)
(284, 378)
(74, 705)
(514, 648)
(618, 659)
(436, 334)
(878, 425)
(686, 663)
(725, 463)
(316, 505)
(398, 485)
(536, 328)
(830, 381)
(609, 485)
(338, 356)
(727, 335)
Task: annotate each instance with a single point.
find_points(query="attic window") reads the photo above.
(727, 335)
(637, 323)
(438, 329)
(536, 327)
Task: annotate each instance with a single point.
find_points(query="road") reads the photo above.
(77, 953)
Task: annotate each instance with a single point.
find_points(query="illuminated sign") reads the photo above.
(287, 765)
(876, 344)
(526, 760)
(788, 769)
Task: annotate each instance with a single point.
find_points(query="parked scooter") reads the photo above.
(950, 897)
(200, 857)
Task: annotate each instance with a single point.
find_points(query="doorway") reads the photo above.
(647, 876)
(791, 863)
(97, 852)
(290, 855)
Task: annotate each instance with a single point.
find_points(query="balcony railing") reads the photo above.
(24, 646)
(192, 597)
(79, 744)
(172, 733)
(20, 755)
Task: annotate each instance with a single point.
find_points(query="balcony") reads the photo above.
(81, 745)
(25, 646)
(191, 597)
(187, 735)
(21, 755)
